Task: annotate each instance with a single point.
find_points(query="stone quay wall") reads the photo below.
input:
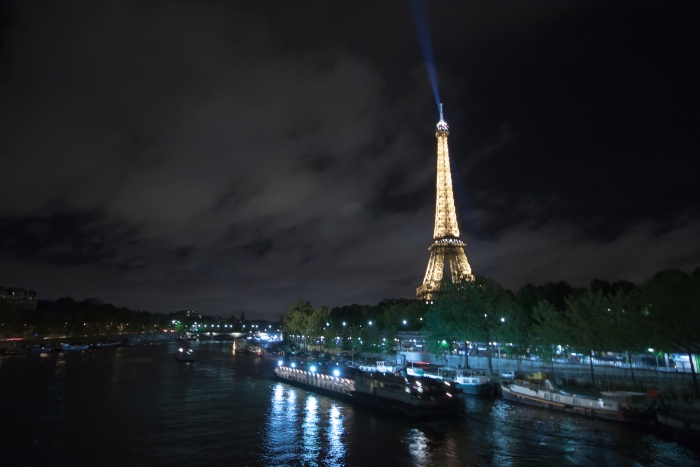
(615, 377)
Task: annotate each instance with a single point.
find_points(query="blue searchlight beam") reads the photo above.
(420, 17)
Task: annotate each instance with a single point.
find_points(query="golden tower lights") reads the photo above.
(447, 245)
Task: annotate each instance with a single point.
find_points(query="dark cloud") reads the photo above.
(259, 247)
(58, 239)
(233, 157)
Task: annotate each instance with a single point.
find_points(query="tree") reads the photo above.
(556, 293)
(674, 305)
(370, 340)
(609, 289)
(389, 339)
(296, 320)
(317, 322)
(631, 328)
(514, 331)
(440, 323)
(471, 310)
(588, 323)
(550, 328)
(330, 333)
(302, 320)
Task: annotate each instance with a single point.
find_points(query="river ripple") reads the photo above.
(140, 406)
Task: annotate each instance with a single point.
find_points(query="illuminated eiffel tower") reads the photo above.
(446, 243)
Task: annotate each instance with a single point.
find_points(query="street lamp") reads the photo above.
(352, 345)
(656, 355)
(498, 349)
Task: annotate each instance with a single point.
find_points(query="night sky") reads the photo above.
(230, 157)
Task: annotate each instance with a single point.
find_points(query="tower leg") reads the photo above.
(435, 267)
(433, 275)
(459, 266)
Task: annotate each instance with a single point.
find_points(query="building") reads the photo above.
(22, 298)
(187, 314)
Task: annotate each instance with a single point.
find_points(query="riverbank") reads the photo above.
(674, 385)
(140, 406)
(4, 344)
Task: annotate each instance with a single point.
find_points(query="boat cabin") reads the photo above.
(462, 376)
(626, 398)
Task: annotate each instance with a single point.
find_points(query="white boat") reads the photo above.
(239, 343)
(471, 382)
(185, 355)
(613, 405)
(255, 349)
(415, 371)
(381, 367)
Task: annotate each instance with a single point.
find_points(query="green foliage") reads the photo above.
(389, 339)
(472, 311)
(630, 329)
(554, 292)
(317, 321)
(609, 289)
(588, 323)
(673, 299)
(386, 318)
(370, 339)
(515, 330)
(386, 312)
(72, 318)
(606, 317)
(593, 321)
(296, 320)
(302, 320)
(549, 328)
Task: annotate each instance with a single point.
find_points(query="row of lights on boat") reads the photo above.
(312, 368)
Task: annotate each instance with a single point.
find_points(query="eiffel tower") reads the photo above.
(446, 242)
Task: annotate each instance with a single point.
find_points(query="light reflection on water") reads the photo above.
(310, 431)
(418, 448)
(302, 427)
(141, 407)
(280, 436)
(336, 444)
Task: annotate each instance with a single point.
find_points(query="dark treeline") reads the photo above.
(662, 313)
(360, 327)
(71, 318)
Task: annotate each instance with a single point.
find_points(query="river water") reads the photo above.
(140, 406)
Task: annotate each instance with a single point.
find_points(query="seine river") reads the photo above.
(140, 406)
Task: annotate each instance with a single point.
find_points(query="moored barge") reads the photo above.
(685, 427)
(621, 406)
(381, 386)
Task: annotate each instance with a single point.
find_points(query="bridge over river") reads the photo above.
(264, 336)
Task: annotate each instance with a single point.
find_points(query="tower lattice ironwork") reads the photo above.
(447, 245)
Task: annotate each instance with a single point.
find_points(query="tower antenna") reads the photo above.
(441, 119)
